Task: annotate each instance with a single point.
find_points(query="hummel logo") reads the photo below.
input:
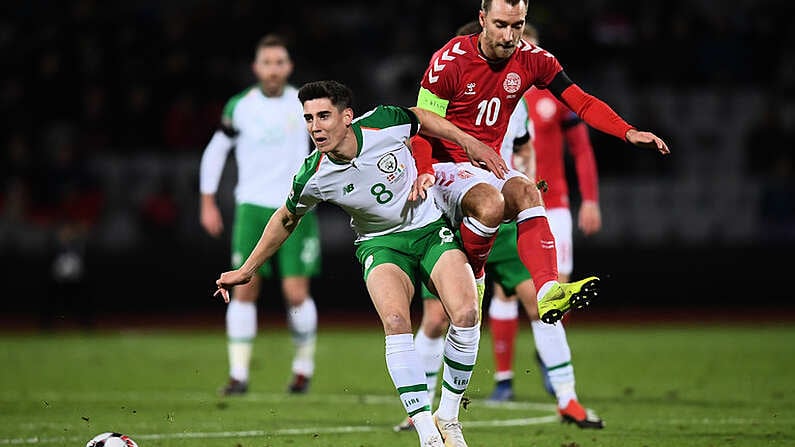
(437, 67)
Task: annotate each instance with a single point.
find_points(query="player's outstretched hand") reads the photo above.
(421, 185)
(485, 157)
(647, 140)
(229, 279)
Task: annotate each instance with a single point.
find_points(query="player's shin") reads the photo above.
(303, 325)
(553, 348)
(536, 247)
(503, 325)
(408, 377)
(460, 354)
(477, 240)
(241, 329)
(431, 353)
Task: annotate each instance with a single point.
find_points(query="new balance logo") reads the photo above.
(433, 74)
(347, 189)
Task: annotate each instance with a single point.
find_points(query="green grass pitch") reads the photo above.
(654, 385)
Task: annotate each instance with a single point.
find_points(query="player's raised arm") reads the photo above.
(601, 116)
(278, 229)
(479, 153)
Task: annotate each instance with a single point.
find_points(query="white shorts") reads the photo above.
(561, 226)
(454, 180)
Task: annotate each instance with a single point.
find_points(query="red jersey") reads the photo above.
(555, 123)
(481, 96)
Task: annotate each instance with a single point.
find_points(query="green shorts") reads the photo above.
(298, 256)
(415, 251)
(504, 265)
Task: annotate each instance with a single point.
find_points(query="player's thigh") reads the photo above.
(454, 181)
(560, 223)
(388, 276)
(300, 254)
(249, 222)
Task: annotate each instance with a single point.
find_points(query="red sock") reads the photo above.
(476, 245)
(503, 334)
(537, 250)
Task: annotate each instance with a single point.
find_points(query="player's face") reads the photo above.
(326, 124)
(272, 67)
(502, 29)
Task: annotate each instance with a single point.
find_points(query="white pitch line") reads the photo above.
(368, 399)
(280, 432)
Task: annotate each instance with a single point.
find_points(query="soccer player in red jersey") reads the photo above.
(553, 124)
(476, 82)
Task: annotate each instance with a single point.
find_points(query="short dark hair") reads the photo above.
(272, 40)
(468, 28)
(339, 94)
(485, 5)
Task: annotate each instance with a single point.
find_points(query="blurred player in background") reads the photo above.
(264, 124)
(512, 278)
(366, 167)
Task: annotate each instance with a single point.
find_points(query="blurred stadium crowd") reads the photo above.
(107, 105)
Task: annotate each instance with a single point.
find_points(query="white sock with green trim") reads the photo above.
(431, 352)
(460, 354)
(405, 369)
(553, 348)
(241, 329)
(302, 320)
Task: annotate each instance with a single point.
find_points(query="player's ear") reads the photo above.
(482, 19)
(347, 116)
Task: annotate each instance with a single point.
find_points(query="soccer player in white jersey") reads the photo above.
(264, 124)
(365, 167)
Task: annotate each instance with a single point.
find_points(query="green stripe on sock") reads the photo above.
(447, 385)
(562, 365)
(413, 388)
(433, 374)
(420, 410)
(458, 366)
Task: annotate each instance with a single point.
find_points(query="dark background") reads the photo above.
(107, 107)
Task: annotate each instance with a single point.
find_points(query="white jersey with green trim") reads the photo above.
(270, 139)
(373, 188)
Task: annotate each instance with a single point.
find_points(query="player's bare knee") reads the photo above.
(395, 323)
(520, 194)
(485, 204)
(466, 316)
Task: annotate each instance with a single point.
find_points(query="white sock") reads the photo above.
(302, 320)
(545, 288)
(553, 348)
(503, 310)
(405, 369)
(241, 329)
(460, 354)
(431, 352)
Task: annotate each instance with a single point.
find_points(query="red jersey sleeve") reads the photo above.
(421, 149)
(584, 161)
(595, 112)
